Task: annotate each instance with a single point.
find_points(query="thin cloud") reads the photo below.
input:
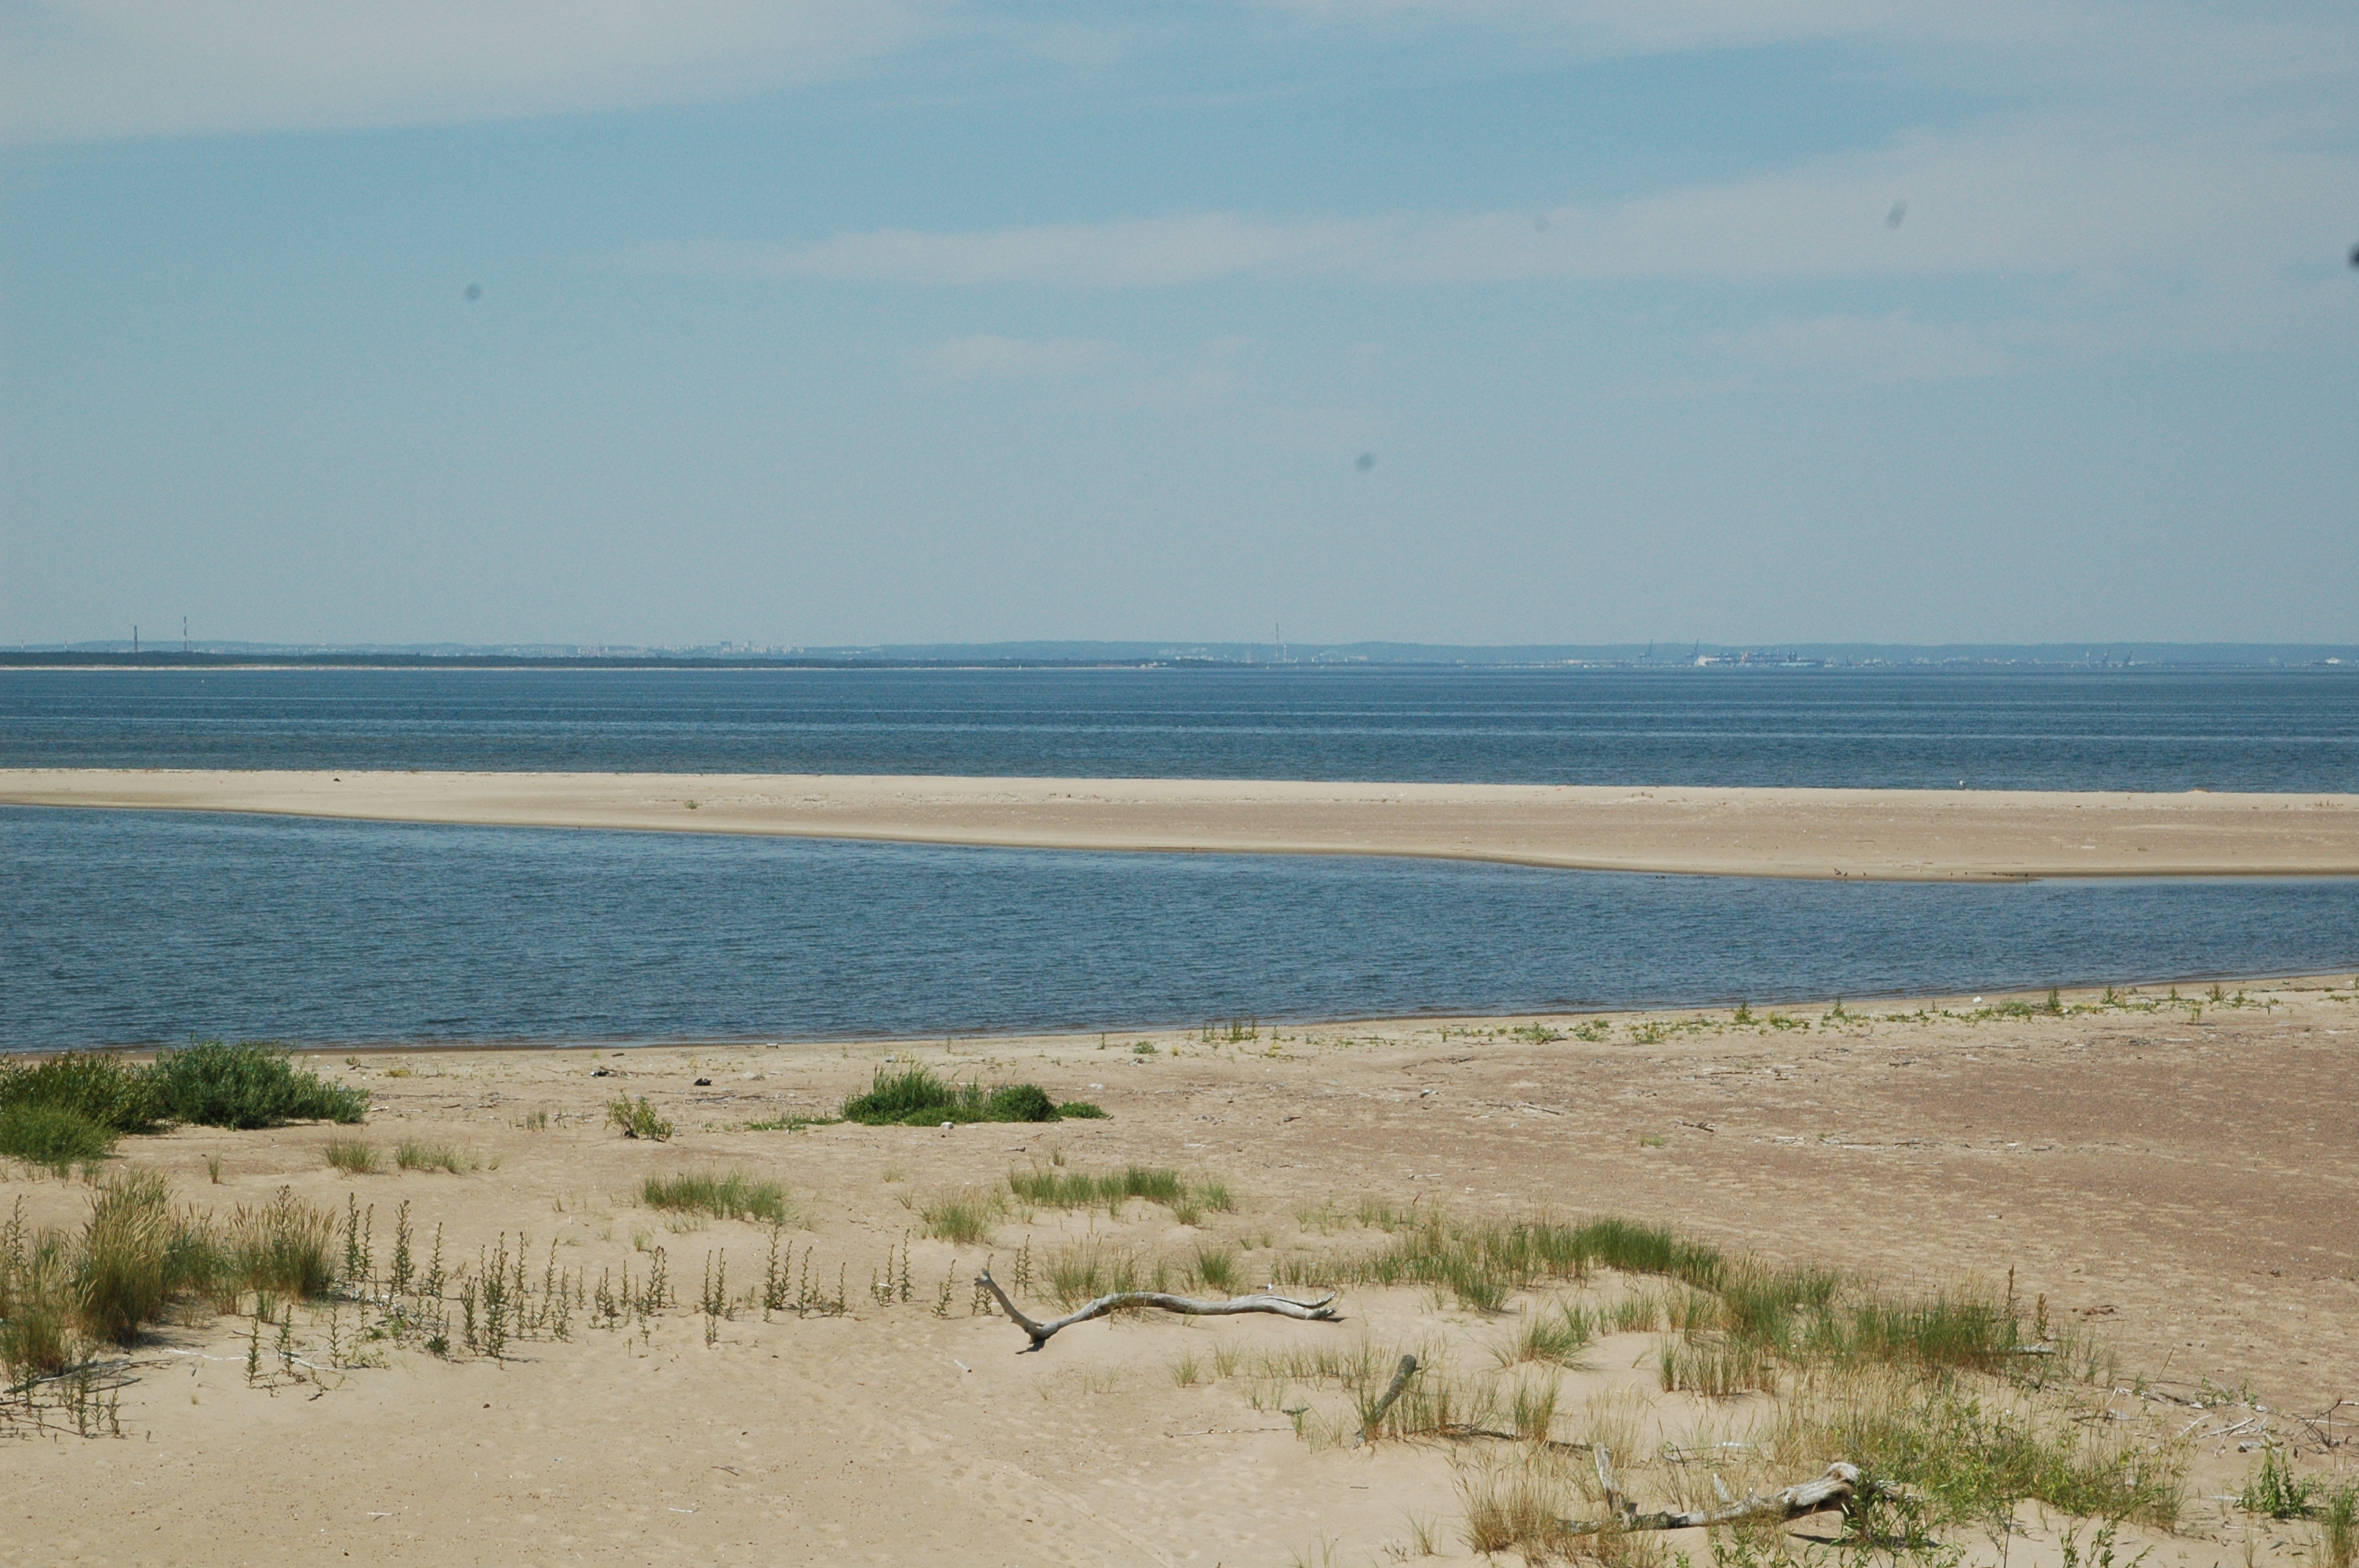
(984, 357)
(1891, 347)
(74, 69)
(2048, 201)
(1150, 252)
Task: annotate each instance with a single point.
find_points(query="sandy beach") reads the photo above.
(2169, 1174)
(1908, 834)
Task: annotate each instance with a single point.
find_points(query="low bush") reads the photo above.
(100, 1087)
(52, 1135)
(917, 1097)
(248, 1085)
(638, 1119)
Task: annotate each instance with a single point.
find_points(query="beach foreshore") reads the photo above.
(2161, 1177)
(1879, 833)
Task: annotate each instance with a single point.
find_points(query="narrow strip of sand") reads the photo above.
(1890, 835)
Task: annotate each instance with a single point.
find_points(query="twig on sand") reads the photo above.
(1321, 1311)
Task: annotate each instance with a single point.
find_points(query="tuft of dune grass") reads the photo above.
(730, 1195)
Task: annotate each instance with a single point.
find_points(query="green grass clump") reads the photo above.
(412, 1156)
(729, 1195)
(2339, 1531)
(1557, 1336)
(1050, 1188)
(63, 1293)
(103, 1089)
(352, 1156)
(248, 1085)
(53, 1135)
(1967, 1457)
(136, 1255)
(964, 1216)
(637, 1120)
(286, 1246)
(917, 1097)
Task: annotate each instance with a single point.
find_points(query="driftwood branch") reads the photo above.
(1838, 1488)
(1321, 1311)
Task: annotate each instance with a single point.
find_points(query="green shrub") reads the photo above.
(52, 1135)
(916, 1097)
(1019, 1102)
(100, 1087)
(637, 1120)
(248, 1085)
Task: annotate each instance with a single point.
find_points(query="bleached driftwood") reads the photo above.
(1839, 1487)
(1321, 1311)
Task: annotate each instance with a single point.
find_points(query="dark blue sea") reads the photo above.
(2032, 728)
(129, 927)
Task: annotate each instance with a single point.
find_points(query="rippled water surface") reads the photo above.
(2051, 729)
(133, 926)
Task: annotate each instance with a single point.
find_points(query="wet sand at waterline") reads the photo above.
(2175, 1177)
(1914, 834)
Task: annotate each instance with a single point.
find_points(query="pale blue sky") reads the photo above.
(820, 324)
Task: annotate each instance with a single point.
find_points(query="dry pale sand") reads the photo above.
(1915, 835)
(2176, 1177)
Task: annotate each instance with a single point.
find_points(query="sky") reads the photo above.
(821, 323)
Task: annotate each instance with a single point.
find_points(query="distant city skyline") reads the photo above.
(1497, 324)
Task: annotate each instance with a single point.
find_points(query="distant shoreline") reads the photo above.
(1829, 834)
(1395, 657)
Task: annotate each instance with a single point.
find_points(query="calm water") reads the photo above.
(128, 926)
(2132, 730)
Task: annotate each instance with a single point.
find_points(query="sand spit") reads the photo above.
(1896, 835)
(2171, 1174)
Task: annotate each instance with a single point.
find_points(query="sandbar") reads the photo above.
(1874, 834)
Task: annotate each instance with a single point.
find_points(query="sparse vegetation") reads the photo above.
(730, 1195)
(421, 1156)
(638, 1119)
(2275, 1490)
(62, 1293)
(352, 1156)
(963, 1215)
(1050, 1188)
(916, 1097)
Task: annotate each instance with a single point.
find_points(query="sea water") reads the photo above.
(123, 927)
(1977, 726)
(135, 927)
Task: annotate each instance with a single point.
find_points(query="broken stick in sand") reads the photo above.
(1321, 1311)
